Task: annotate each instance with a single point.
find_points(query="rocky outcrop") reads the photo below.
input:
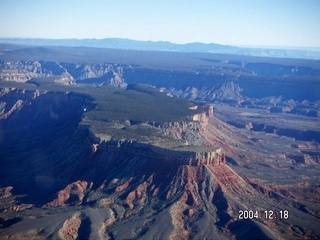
(76, 227)
(18, 208)
(190, 133)
(72, 194)
(207, 112)
(5, 192)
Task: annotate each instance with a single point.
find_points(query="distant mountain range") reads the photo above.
(128, 44)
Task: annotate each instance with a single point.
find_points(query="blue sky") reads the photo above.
(237, 22)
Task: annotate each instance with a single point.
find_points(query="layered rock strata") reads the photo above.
(22, 71)
(212, 155)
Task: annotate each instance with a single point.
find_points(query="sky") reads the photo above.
(288, 23)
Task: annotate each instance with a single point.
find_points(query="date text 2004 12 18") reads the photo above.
(265, 214)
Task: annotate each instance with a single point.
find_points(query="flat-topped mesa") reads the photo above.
(188, 155)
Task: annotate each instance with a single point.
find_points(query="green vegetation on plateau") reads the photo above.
(120, 114)
(137, 103)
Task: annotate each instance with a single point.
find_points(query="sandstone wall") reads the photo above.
(211, 156)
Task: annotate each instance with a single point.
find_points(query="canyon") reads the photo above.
(89, 151)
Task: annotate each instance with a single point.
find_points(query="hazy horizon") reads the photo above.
(237, 23)
(155, 41)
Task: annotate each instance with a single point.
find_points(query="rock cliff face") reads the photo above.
(213, 156)
(14, 99)
(22, 71)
